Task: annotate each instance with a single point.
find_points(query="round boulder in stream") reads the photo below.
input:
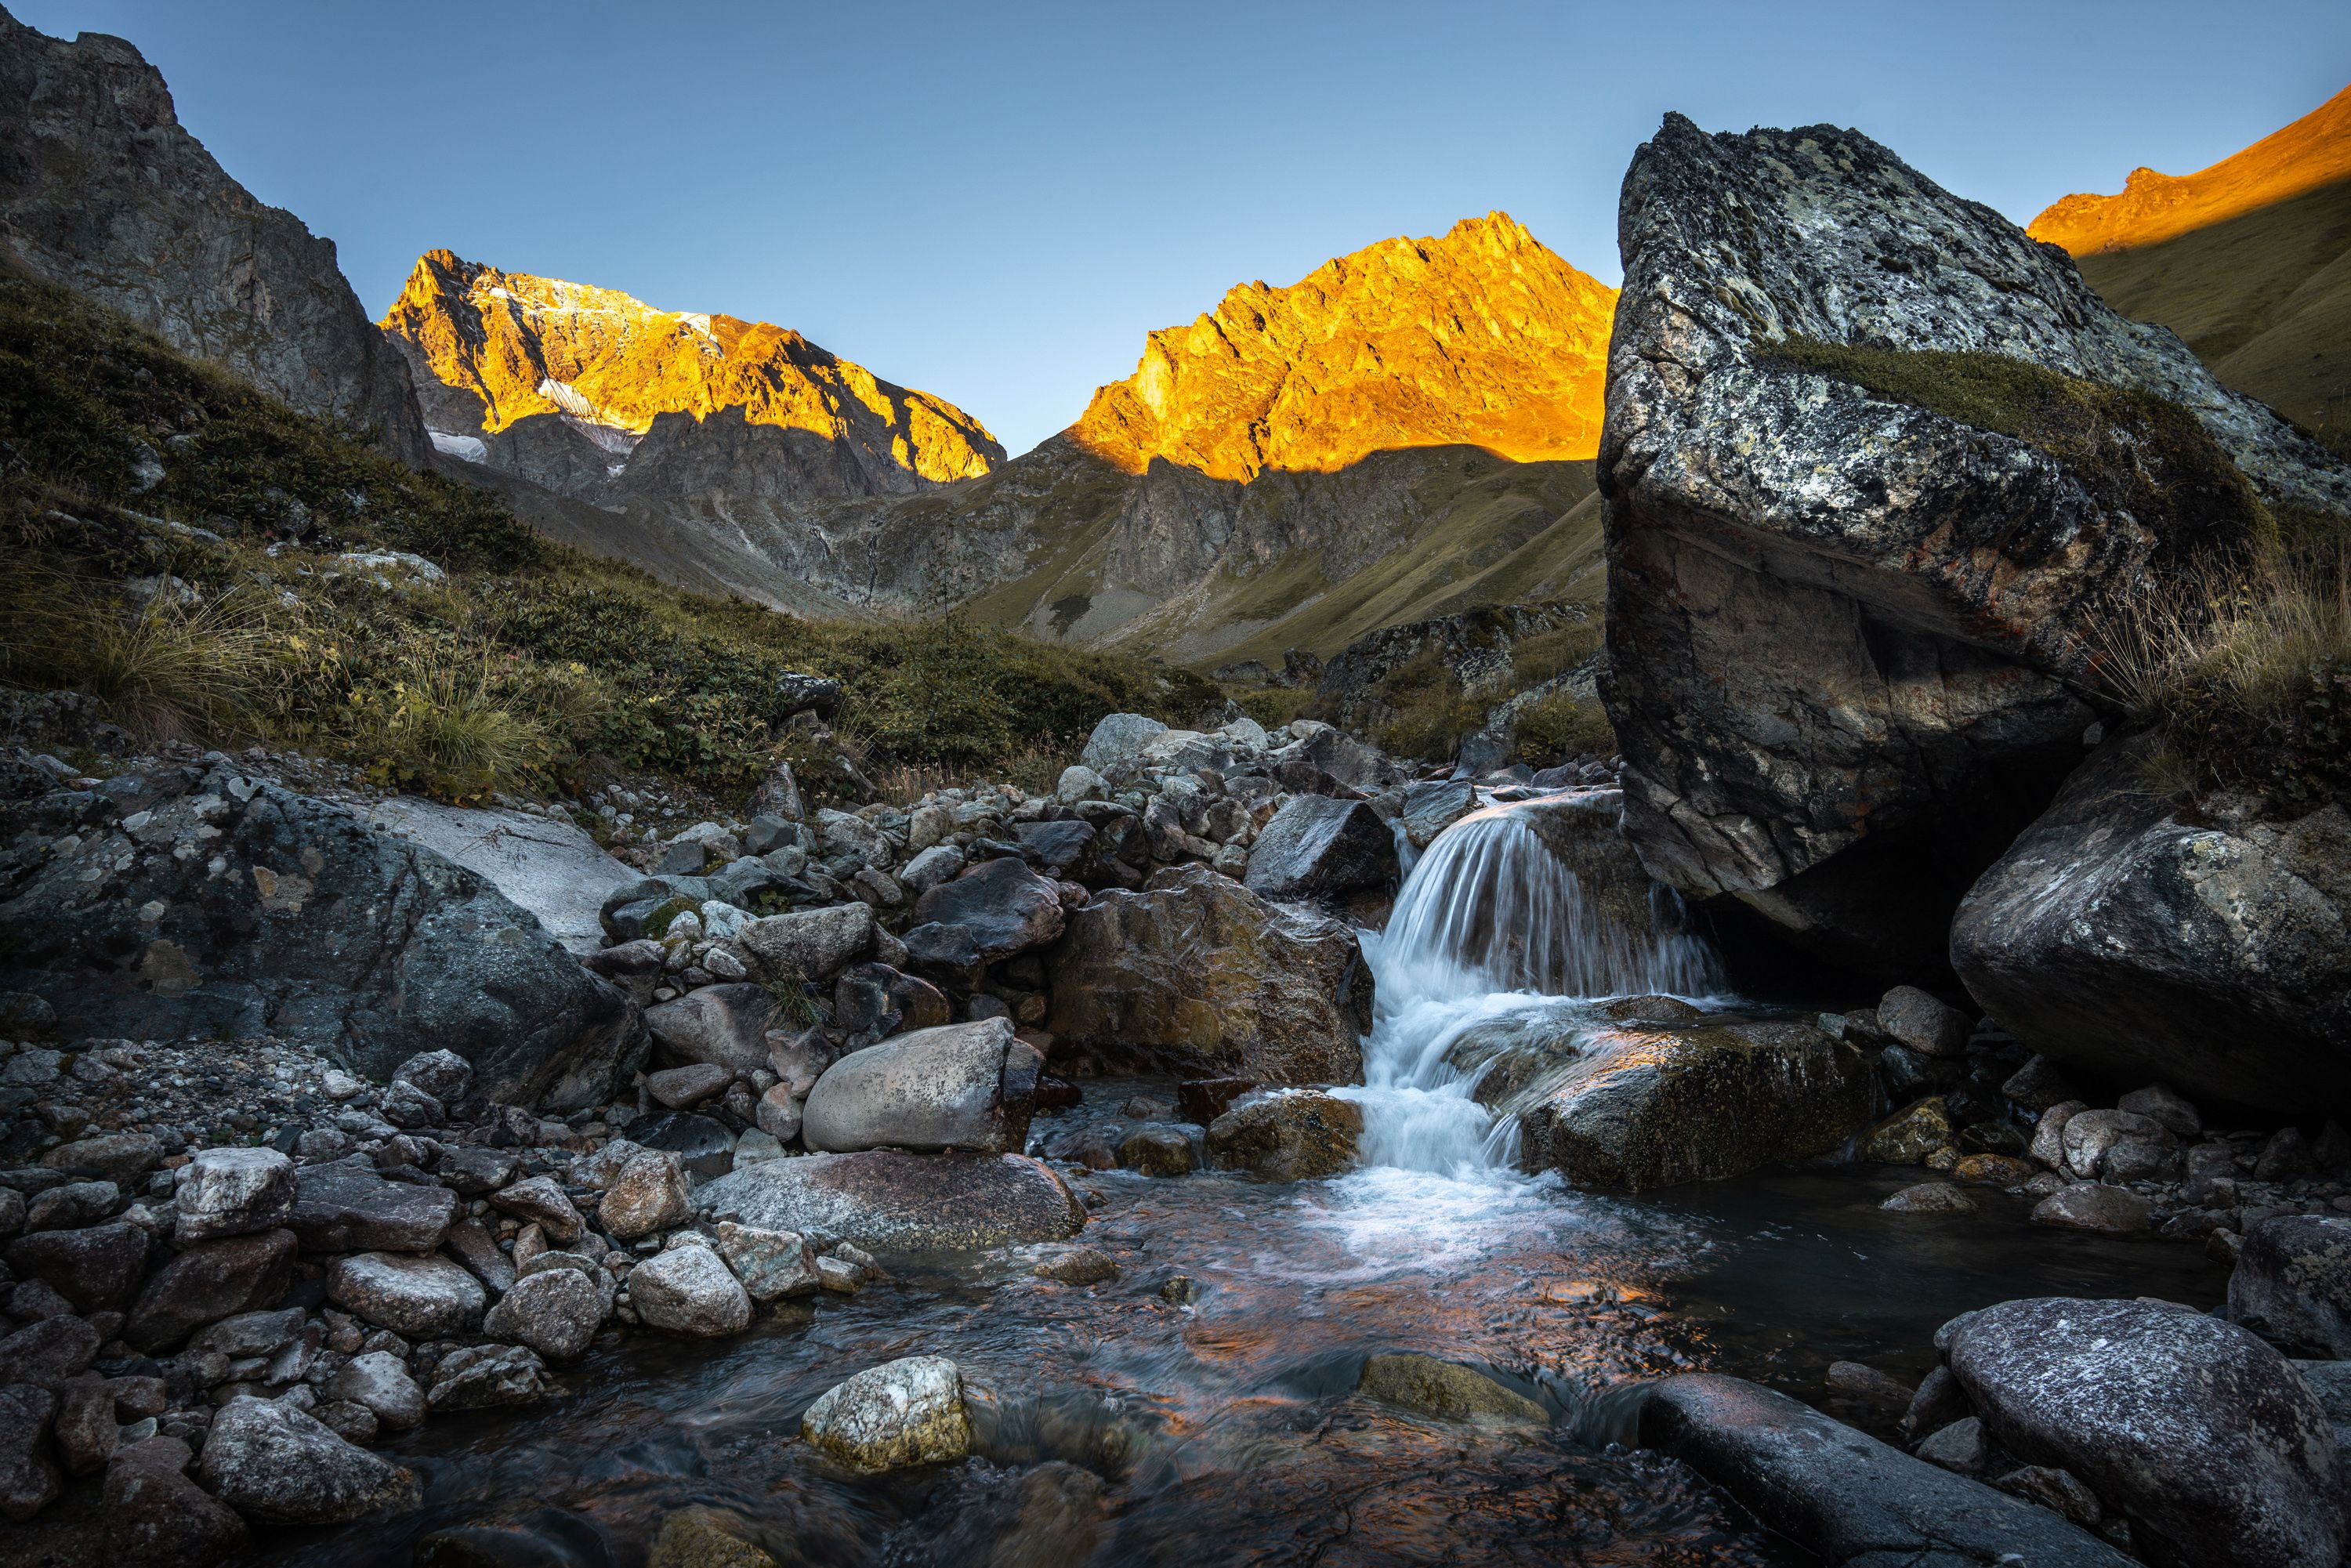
(905, 1412)
(961, 1086)
(1295, 1135)
(888, 1201)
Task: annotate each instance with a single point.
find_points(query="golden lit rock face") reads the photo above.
(2314, 150)
(1481, 338)
(527, 345)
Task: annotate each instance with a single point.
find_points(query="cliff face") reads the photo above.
(101, 189)
(1481, 338)
(559, 383)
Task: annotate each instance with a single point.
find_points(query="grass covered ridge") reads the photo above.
(178, 542)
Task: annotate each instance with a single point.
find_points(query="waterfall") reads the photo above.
(1493, 920)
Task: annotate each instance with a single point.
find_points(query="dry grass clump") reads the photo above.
(161, 667)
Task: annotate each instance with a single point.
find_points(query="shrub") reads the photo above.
(163, 669)
(1557, 726)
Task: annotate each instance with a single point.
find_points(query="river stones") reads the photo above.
(2197, 1431)
(808, 944)
(648, 1193)
(1843, 1494)
(1292, 1135)
(1929, 1197)
(965, 1086)
(902, 1413)
(555, 1312)
(207, 1282)
(346, 1206)
(1428, 1387)
(1196, 975)
(887, 1201)
(418, 1298)
(703, 1538)
(270, 1461)
(771, 1264)
(485, 1376)
(232, 1192)
(379, 1381)
(2292, 1282)
(1639, 1103)
(2094, 1205)
(725, 1025)
(688, 1289)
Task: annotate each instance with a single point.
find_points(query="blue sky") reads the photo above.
(995, 203)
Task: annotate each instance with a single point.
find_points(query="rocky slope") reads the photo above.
(1849, 659)
(101, 189)
(2248, 261)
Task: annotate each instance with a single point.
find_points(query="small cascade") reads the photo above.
(1493, 920)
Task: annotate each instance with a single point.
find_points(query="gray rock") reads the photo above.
(1078, 1266)
(2093, 1205)
(269, 1461)
(967, 1086)
(2059, 1491)
(902, 1413)
(1158, 1152)
(1821, 652)
(2292, 1282)
(232, 1192)
(348, 1208)
(771, 1264)
(1002, 907)
(556, 1312)
(483, 1377)
(1845, 1496)
(1079, 782)
(1958, 1447)
(1294, 1134)
(1924, 1022)
(47, 1352)
(1431, 808)
(444, 1075)
(2118, 1145)
(29, 1482)
(551, 868)
(650, 1194)
(2195, 1430)
(256, 1334)
(635, 966)
(1118, 739)
(808, 944)
(1315, 846)
(538, 1201)
(122, 1158)
(97, 1268)
(379, 1380)
(683, 1088)
(472, 1171)
(417, 1298)
(84, 1431)
(207, 1282)
(939, 864)
(73, 1206)
(688, 1290)
(2038, 1084)
(895, 1202)
(2133, 939)
(1929, 1197)
(2160, 1104)
(725, 1025)
(152, 1514)
(320, 932)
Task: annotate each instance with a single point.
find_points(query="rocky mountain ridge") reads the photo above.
(102, 190)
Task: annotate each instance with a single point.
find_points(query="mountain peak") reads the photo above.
(2314, 150)
(1480, 337)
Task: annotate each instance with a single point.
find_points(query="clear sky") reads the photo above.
(994, 203)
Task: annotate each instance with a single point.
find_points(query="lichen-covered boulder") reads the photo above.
(1659, 1094)
(1847, 628)
(1291, 1134)
(902, 1413)
(2134, 938)
(1194, 974)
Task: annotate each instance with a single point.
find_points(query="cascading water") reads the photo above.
(1492, 920)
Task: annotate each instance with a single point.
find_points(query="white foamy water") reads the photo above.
(1490, 922)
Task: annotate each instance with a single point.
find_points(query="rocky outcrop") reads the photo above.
(1847, 642)
(1195, 973)
(2210, 948)
(182, 901)
(549, 866)
(102, 190)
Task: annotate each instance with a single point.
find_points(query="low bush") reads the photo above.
(1558, 727)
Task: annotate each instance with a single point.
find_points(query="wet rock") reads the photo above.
(97, 1268)
(1929, 1197)
(2292, 1282)
(555, 1312)
(2195, 1430)
(968, 1086)
(485, 1378)
(688, 1290)
(999, 908)
(154, 1515)
(1865, 1396)
(1908, 1136)
(2048, 1145)
(770, 1264)
(29, 1482)
(1319, 847)
(1851, 1499)
(900, 1414)
(379, 1380)
(1993, 1170)
(1195, 973)
(347, 1207)
(1958, 1447)
(1287, 1135)
(703, 1538)
(1428, 1386)
(1158, 1152)
(2118, 1145)
(2136, 939)
(1639, 1103)
(418, 1298)
(206, 1283)
(271, 1462)
(2093, 1205)
(1203, 1100)
(232, 1192)
(1080, 1266)
(1431, 808)
(898, 1202)
(1924, 1022)
(538, 1201)
(47, 1352)
(725, 1025)
(650, 1194)
(2038, 1085)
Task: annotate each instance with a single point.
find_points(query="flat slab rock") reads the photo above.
(1846, 1496)
(901, 1203)
(552, 868)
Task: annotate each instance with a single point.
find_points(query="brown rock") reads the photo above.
(207, 1282)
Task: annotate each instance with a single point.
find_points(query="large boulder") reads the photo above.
(1846, 631)
(269, 1461)
(967, 1086)
(995, 910)
(898, 1202)
(1846, 1496)
(1196, 975)
(808, 944)
(2201, 1434)
(2292, 1282)
(1317, 846)
(904, 1412)
(2210, 948)
(286, 916)
(549, 866)
(725, 1026)
(1648, 1093)
(1291, 1135)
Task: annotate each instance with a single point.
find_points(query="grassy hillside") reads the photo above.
(2264, 298)
(181, 548)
